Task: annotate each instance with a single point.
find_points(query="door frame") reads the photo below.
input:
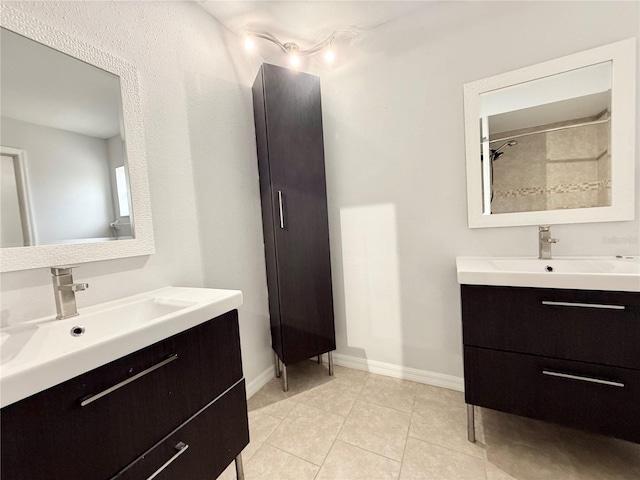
(24, 198)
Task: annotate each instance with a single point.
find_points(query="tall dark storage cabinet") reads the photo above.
(288, 119)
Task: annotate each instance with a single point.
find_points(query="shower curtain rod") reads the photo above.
(594, 122)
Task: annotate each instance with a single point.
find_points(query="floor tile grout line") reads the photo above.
(447, 448)
(370, 451)
(361, 447)
(406, 439)
(341, 427)
(364, 385)
(290, 453)
(384, 406)
(294, 455)
(358, 446)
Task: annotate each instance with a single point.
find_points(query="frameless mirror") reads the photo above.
(553, 143)
(64, 175)
(73, 185)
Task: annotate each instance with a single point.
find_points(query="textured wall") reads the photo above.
(198, 129)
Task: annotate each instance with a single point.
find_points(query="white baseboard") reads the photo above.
(397, 371)
(260, 381)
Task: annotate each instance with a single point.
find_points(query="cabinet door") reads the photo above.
(51, 436)
(203, 447)
(296, 162)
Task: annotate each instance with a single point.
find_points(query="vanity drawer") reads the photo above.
(591, 326)
(51, 436)
(595, 397)
(202, 448)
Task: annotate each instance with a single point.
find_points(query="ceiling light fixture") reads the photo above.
(329, 55)
(292, 49)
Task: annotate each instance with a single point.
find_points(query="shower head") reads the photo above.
(495, 153)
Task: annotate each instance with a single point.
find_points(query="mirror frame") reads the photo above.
(623, 133)
(24, 258)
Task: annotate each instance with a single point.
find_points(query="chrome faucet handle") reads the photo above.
(74, 287)
(552, 240)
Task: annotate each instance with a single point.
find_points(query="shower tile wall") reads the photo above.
(554, 170)
(519, 175)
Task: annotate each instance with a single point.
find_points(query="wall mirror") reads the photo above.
(554, 142)
(74, 183)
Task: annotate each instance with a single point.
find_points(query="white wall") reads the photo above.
(198, 125)
(63, 209)
(394, 140)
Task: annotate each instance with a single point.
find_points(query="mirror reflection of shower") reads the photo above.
(495, 154)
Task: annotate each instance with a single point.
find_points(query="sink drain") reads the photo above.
(77, 331)
(549, 268)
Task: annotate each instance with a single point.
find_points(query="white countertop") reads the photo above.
(42, 353)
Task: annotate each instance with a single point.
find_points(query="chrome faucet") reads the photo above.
(65, 291)
(544, 242)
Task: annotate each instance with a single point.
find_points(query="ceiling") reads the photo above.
(307, 22)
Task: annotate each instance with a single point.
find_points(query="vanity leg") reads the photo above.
(277, 364)
(319, 359)
(471, 425)
(285, 380)
(239, 469)
(330, 355)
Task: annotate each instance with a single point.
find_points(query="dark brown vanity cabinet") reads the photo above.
(288, 121)
(564, 356)
(193, 395)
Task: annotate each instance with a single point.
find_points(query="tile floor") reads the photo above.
(357, 425)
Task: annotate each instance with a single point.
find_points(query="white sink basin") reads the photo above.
(42, 353)
(581, 273)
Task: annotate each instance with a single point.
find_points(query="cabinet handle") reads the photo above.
(584, 379)
(584, 305)
(87, 400)
(280, 205)
(181, 447)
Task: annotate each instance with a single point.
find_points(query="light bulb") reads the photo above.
(249, 43)
(294, 60)
(329, 56)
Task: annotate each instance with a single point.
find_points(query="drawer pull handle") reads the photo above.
(281, 208)
(584, 305)
(181, 447)
(86, 401)
(584, 379)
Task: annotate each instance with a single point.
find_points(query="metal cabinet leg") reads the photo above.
(471, 424)
(330, 355)
(285, 380)
(277, 364)
(239, 469)
(319, 359)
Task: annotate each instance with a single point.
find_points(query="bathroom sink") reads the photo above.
(41, 353)
(581, 273)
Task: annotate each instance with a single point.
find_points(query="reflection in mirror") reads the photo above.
(554, 142)
(64, 174)
(548, 143)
